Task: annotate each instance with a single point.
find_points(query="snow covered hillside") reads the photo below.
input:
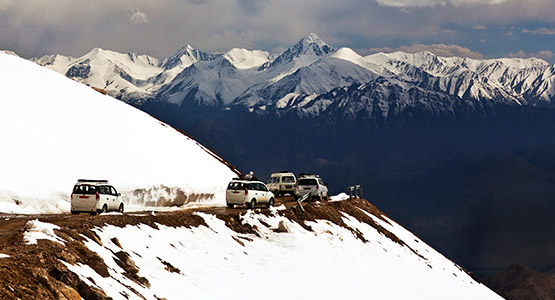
(336, 250)
(55, 131)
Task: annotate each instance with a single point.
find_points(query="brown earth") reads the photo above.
(519, 283)
(37, 272)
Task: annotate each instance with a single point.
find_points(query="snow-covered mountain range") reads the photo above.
(55, 131)
(301, 78)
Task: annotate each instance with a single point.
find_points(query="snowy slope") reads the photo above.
(55, 130)
(120, 74)
(347, 258)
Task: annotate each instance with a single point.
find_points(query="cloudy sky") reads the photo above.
(472, 28)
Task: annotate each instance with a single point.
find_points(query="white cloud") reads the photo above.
(540, 31)
(425, 3)
(480, 27)
(136, 16)
(5, 4)
(544, 54)
(437, 49)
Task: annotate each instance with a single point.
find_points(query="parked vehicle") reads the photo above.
(282, 183)
(251, 193)
(95, 196)
(313, 184)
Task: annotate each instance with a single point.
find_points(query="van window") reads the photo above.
(236, 186)
(307, 181)
(288, 179)
(113, 190)
(84, 189)
(103, 190)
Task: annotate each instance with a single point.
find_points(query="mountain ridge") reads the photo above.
(236, 77)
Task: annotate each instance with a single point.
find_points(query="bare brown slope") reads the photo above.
(519, 283)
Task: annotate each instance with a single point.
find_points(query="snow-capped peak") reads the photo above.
(347, 54)
(184, 57)
(311, 45)
(313, 38)
(246, 59)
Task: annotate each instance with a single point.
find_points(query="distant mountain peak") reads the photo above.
(185, 56)
(313, 38)
(310, 45)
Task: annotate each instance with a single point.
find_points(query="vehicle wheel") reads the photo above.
(104, 209)
(120, 209)
(252, 204)
(74, 212)
(93, 213)
(230, 205)
(271, 202)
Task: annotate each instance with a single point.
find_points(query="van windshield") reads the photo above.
(288, 179)
(84, 189)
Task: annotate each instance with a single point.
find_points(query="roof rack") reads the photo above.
(92, 180)
(308, 175)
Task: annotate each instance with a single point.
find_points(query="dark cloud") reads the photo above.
(35, 28)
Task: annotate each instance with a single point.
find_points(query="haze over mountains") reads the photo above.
(461, 151)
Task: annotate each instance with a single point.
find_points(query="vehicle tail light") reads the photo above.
(71, 197)
(317, 187)
(246, 191)
(97, 196)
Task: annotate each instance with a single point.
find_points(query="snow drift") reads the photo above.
(55, 130)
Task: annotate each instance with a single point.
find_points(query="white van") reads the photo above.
(282, 183)
(95, 196)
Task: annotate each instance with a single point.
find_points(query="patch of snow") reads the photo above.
(2, 255)
(284, 102)
(247, 59)
(37, 230)
(339, 197)
(215, 262)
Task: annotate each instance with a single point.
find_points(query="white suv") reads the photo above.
(313, 184)
(248, 192)
(282, 183)
(95, 196)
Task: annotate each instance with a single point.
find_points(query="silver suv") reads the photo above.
(248, 192)
(95, 196)
(313, 184)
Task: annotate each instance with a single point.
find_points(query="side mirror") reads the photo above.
(119, 194)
